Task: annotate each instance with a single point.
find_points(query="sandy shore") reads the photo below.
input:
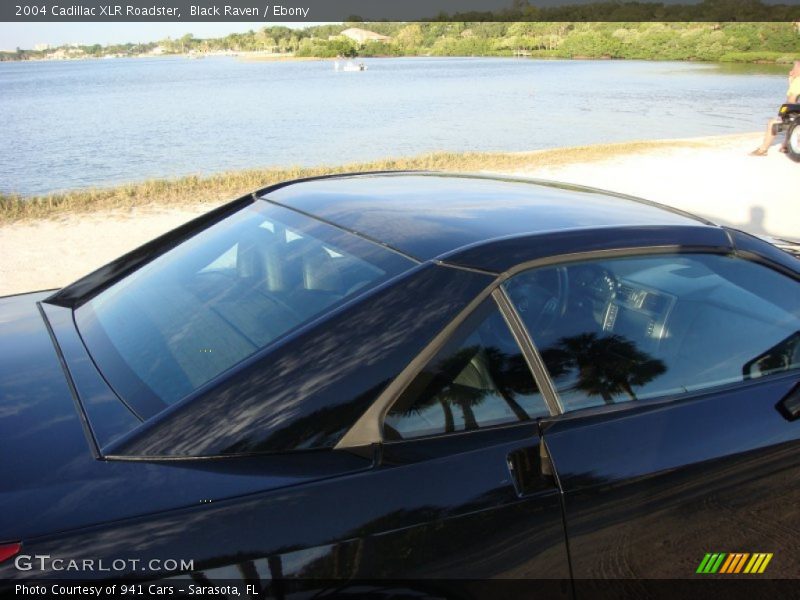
(713, 177)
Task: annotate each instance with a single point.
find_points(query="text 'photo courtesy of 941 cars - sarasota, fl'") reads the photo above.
(407, 376)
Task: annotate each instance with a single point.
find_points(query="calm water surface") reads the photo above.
(101, 122)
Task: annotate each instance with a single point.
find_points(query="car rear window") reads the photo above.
(172, 326)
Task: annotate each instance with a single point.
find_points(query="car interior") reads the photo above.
(646, 327)
(185, 323)
(478, 379)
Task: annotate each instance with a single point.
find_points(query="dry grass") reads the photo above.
(194, 190)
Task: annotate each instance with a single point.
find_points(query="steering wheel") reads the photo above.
(556, 306)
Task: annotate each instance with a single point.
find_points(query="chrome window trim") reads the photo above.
(368, 429)
(529, 351)
(564, 259)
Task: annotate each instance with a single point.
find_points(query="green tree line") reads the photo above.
(708, 41)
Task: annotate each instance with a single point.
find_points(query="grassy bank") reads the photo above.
(220, 187)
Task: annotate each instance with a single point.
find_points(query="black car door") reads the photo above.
(650, 491)
(677, 375)
(462, 490)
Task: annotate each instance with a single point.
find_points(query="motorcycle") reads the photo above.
(789, 115)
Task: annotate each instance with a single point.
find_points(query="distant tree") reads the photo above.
(614, 29)
(409, 39)
(186, 42)
(343, 47)
(374, 48)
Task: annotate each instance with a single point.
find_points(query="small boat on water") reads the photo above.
(349, 66)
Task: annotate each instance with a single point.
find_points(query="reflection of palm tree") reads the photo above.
(508, 376)
(275, 566)
(513, 377)
(249, 574)
(449, 421)
(453, 394)
(605, 366)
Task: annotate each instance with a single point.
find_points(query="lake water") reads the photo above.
(100, 122)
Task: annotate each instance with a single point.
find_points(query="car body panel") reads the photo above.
(269, 402)
(107, 416)
(718, 472)
(55, 482)
(242, 477)
(426, 512)
(428, 215)
(499, 256)
(40, 426)
(786, 258)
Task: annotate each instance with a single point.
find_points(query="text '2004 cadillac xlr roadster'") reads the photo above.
(409, 376)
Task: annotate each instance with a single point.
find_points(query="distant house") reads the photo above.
(41, 47)
(157, 51)
(362, 36)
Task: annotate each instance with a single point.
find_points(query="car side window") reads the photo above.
(640, 328)
(478, 379)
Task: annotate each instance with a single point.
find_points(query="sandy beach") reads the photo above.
(713, 177)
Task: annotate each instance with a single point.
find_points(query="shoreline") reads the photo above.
(52, 240)
(745, 57)
(199, 190)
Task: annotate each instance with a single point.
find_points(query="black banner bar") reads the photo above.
(740, 588)
(277, 11)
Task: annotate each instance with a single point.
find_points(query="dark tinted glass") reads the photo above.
(639, 328)
(197, 310)
(478, 379)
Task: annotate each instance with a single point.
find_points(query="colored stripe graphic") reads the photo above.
(734, 563)
(764, 564)
(703, 563)
(742, 559)
(711, 563)
(730, 564)
(727, 564)
(715, 567)
(754, 563)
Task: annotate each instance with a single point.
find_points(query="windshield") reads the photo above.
(184, 318)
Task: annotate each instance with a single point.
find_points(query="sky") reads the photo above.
(26, 35)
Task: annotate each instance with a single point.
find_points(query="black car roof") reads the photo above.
(476, 221)
(431, 215)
